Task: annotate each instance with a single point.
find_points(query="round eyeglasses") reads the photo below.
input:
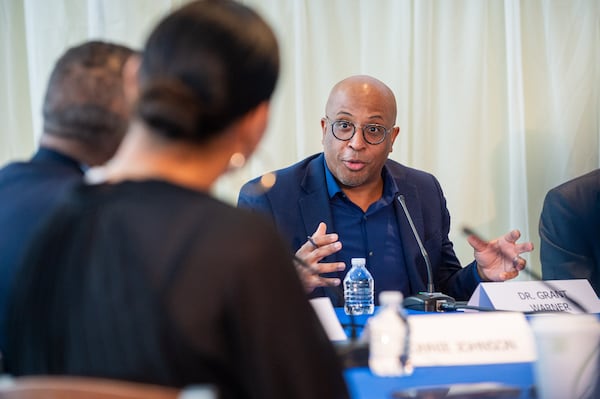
(344, 130)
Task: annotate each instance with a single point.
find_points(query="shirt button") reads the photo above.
(371, 253)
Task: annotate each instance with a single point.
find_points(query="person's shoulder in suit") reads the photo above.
(415, 176)
(284, 179)
(584, 186)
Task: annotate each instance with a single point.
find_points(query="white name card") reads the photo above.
(326, 314)
(470, 338)
(537, 296)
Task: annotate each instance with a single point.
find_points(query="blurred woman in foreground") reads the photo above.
(145, 276)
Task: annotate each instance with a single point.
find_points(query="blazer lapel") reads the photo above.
(314, 208)
(314, 202)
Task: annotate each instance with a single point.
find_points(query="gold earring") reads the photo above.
(237, 160)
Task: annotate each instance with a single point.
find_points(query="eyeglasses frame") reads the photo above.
(362, 128)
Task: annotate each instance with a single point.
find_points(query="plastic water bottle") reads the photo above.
(358, 289)
(389, 337)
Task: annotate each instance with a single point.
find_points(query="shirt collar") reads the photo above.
(49, 154)
(332, 186)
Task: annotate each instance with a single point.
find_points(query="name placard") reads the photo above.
(537, 296)
(326, 314)
(470, 338)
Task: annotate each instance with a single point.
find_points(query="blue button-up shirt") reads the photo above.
(373, 235)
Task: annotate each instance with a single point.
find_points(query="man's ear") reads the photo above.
(131, 87)
(394, 135)
(323, 129)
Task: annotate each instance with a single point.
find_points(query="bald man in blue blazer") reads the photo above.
(345, 203)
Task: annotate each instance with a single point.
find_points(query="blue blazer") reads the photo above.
(299, 201)
(29, 191)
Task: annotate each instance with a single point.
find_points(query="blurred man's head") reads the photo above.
(85, 110)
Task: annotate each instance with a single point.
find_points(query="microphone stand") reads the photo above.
(429, 301)
(353, 334)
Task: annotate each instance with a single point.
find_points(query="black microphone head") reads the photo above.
(469, 231)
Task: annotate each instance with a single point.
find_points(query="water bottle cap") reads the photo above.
(390, 298)
(358, 261)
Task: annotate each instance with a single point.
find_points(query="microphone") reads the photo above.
(429, 301)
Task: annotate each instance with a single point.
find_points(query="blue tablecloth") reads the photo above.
(364, 385)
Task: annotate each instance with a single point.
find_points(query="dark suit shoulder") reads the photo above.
(571, 210)
(299, 168)
(590, 182)
(286, 178)
(581, 191)
(397, 168)
(417, 178)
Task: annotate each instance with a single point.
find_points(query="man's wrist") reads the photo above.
(480, 273)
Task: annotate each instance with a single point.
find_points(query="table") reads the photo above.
(364, 385)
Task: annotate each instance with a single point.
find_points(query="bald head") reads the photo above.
(359, 104)
(360, 89)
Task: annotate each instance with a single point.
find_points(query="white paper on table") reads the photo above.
(324, 310)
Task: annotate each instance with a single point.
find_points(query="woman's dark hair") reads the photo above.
(205, 66)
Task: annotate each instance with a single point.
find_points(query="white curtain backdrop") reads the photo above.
(499, 99)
